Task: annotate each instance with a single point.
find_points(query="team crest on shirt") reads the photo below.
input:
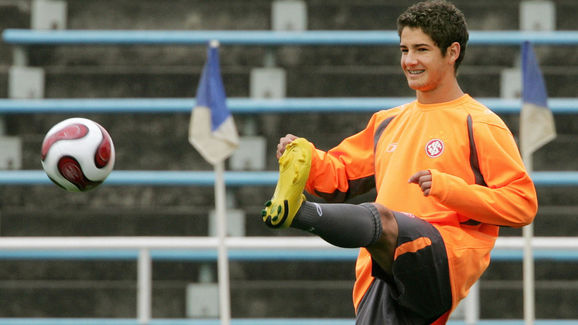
(434, 148)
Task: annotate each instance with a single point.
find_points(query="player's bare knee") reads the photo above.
(388, 222)
(382, 250)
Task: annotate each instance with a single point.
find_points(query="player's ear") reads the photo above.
(453, 52)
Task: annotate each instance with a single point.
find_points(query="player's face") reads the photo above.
(422, 62)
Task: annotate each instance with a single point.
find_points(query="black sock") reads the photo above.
(343, 225)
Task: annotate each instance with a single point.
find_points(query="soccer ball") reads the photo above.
(77, 154)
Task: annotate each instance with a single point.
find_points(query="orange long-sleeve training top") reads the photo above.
(479, 180)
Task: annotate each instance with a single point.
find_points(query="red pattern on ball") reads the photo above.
(104, 150)
(70, 169)
(70, 132)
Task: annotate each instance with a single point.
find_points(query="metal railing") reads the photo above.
(232, 178)
(265, 37)
(249, 106)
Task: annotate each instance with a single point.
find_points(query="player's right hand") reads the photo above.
(283, 142)
(422, 178)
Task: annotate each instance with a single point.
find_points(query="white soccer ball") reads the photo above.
(77, 154)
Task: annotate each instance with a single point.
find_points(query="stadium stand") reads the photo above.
(138, 83)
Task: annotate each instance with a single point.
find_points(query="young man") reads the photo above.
(447, 173)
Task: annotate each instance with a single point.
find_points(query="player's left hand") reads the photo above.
(423, 179)
(283, 142)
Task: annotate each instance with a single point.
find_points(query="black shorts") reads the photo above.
(418, 291)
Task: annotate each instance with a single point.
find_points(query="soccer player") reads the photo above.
(447, 172)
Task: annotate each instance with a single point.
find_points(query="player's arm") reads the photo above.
(509, 199)
(346, 170)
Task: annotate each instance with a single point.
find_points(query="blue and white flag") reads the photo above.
(536, 120)
(212, 130)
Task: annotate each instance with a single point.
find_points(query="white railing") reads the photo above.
(144, 245)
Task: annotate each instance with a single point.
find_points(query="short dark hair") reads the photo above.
(439, 19)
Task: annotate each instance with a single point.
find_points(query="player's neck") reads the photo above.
(442, 94)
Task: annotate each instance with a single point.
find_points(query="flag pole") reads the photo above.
(528, 263)
(223, 260)
(213, 133)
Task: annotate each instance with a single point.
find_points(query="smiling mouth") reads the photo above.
(415, 72)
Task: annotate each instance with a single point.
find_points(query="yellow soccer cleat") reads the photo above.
(294, 167)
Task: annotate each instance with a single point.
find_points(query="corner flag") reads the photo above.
(536, 129)
(213, 133)
(212, 130)
(536, 120)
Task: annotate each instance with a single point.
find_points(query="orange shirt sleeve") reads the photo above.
(509, 199)
(346, 170)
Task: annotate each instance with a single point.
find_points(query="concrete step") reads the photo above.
(157, 220)
(13, 14)
(108, 289)
(109, 299)
(554, 300)
(551, 220)
(141, 140)
(302, 81)
(556, 290)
